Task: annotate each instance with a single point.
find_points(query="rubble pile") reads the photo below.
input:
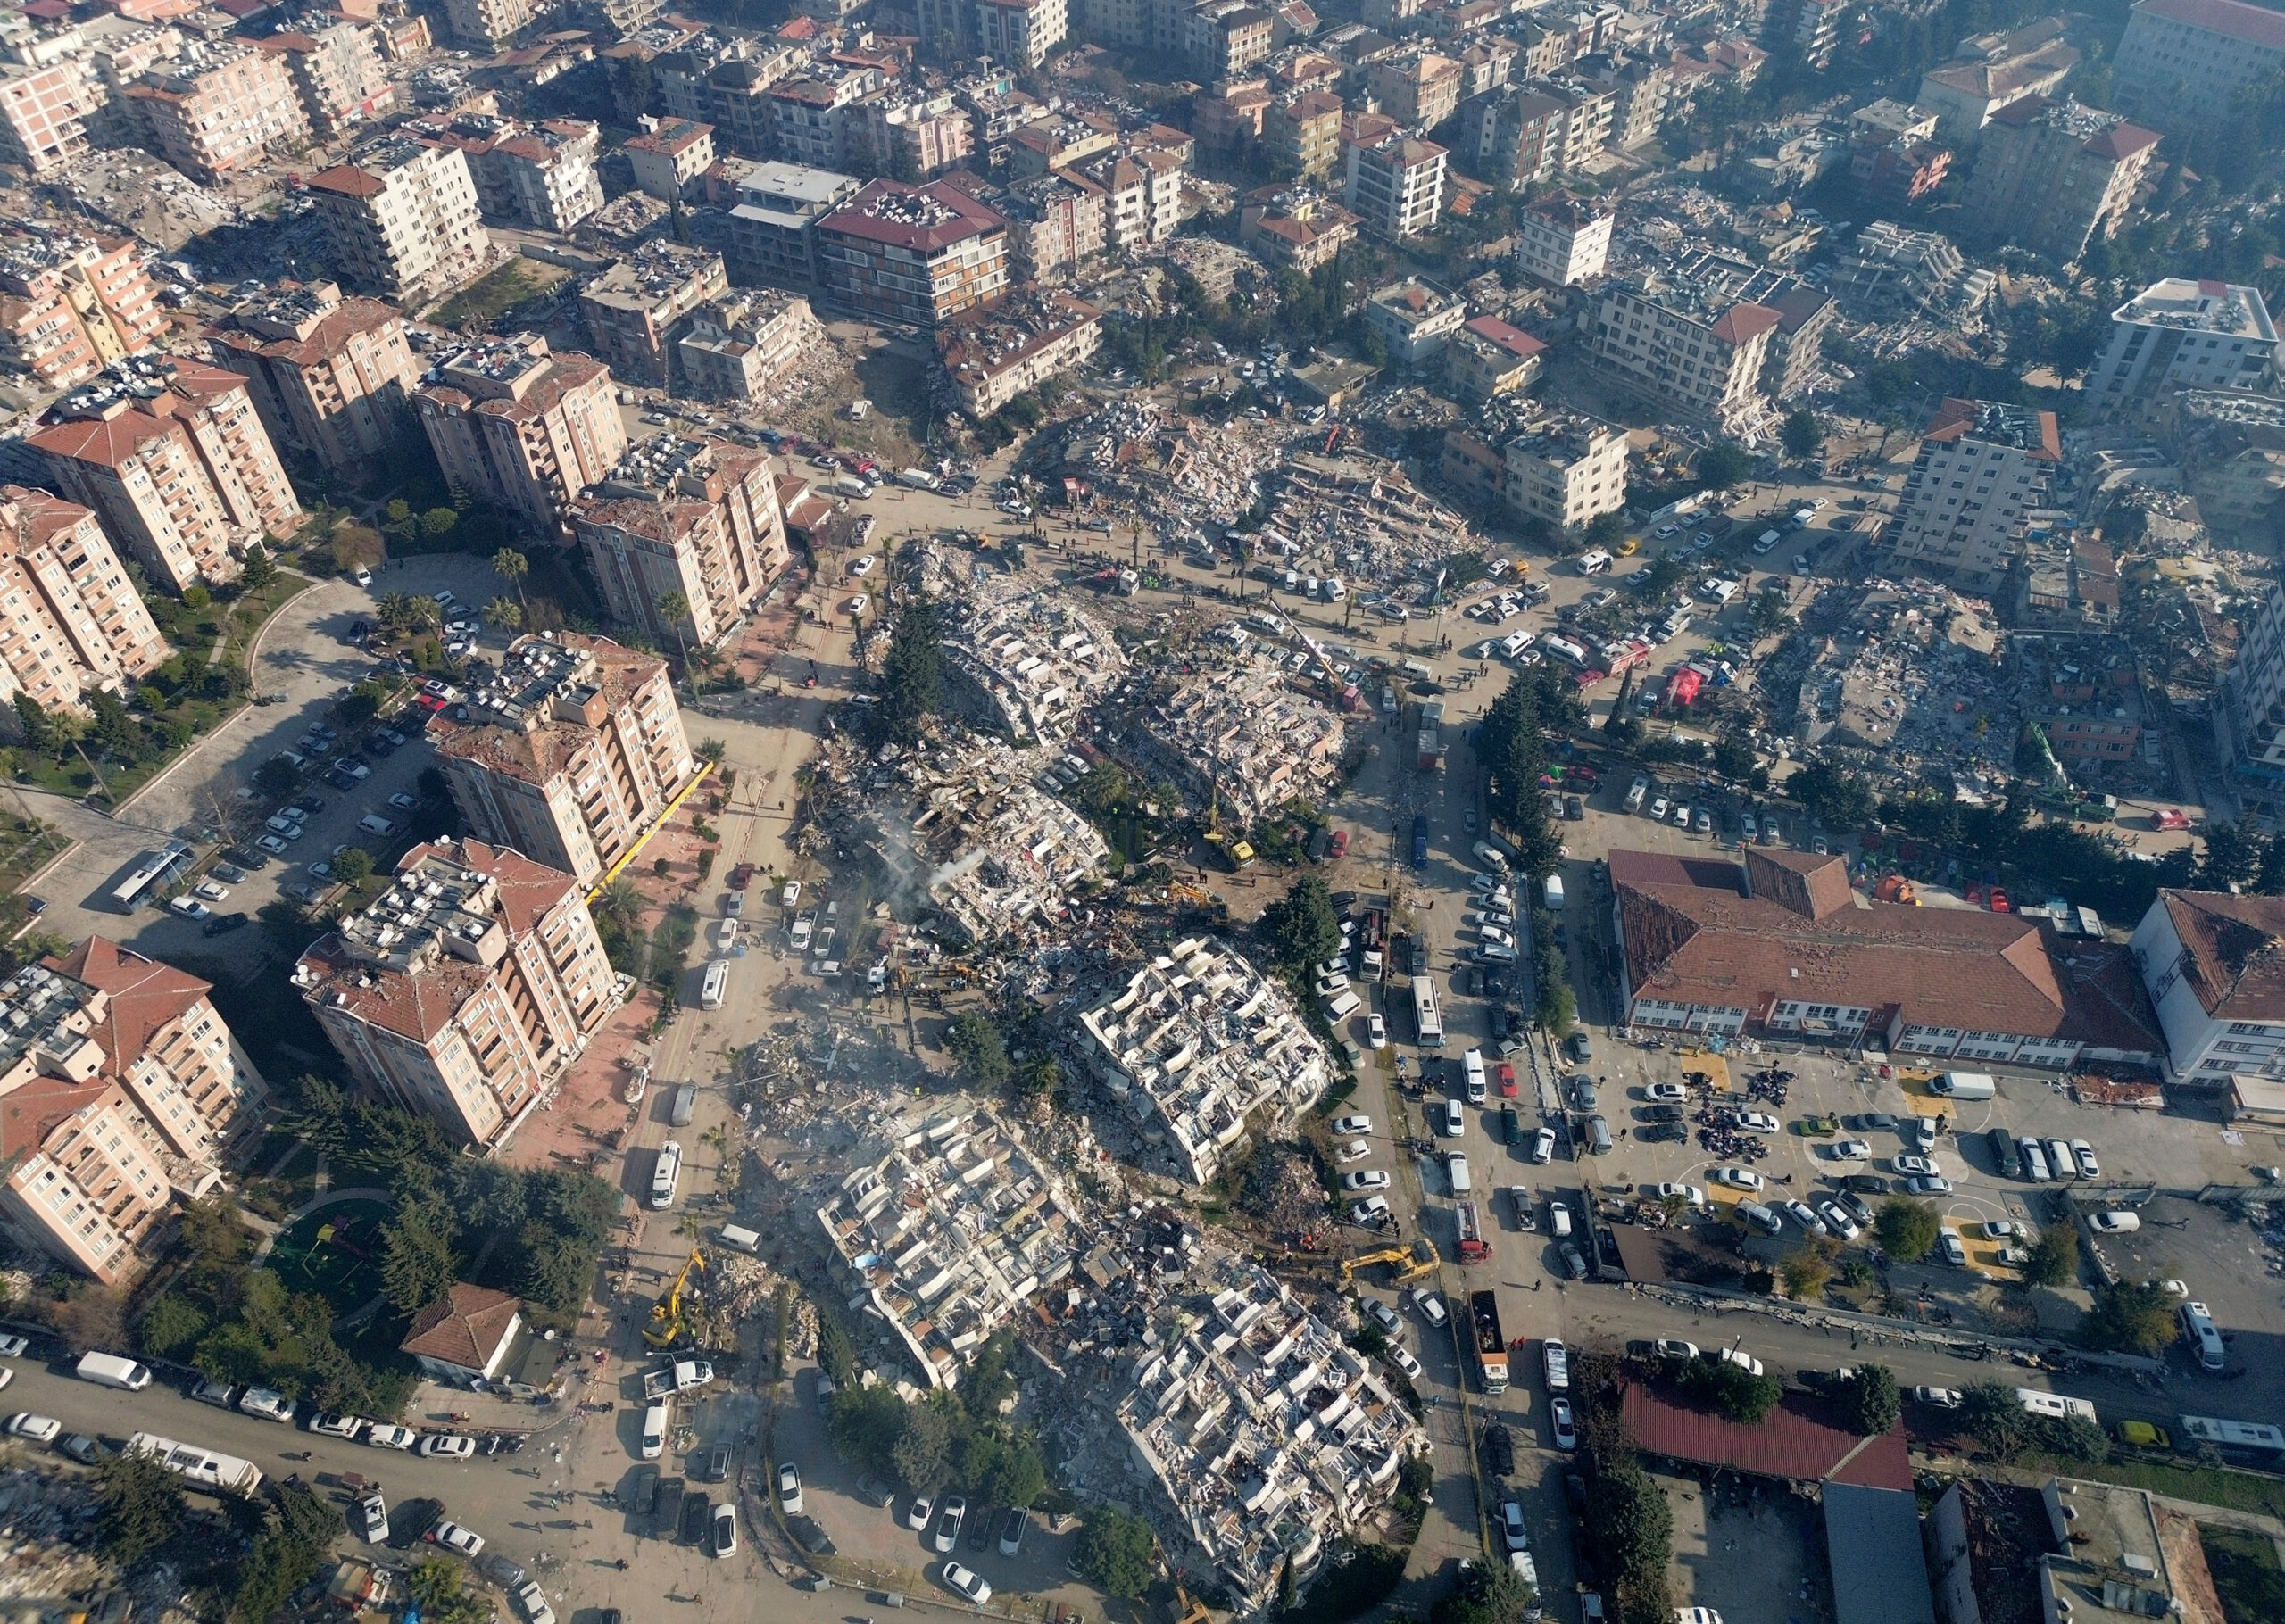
(1363, 517)
(740, 1289)
(1025, 666)
(47, 1549)
(1281, 1190)
(1235, 731)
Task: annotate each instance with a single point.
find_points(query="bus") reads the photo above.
(152, 868)
(2058, 1406)
(1427, 1021)
(2197, 1330)
(2233, 1434)
(202, 1467)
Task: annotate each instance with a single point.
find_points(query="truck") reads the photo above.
(1635, 791)
(683, 1376)
(1557, 1360)
(1965, 1085)
(1420, 839)
(1554, 892)
(112, 1371)
(1491, 1341)
(1431, 752)
(196, 1465)
(1472, 1247)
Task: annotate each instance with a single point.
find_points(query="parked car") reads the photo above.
(947, 1536)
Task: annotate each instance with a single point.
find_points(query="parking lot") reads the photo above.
(1748, 1551)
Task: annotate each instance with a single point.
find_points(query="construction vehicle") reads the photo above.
(668, 1328)
(1188, 1609)
(1491, 1341)
(1406, 1264)
(1233, 850)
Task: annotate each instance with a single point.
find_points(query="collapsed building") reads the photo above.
(1265, 1434)
(947, 1229)
(1242, 737)
(1024, 667)
(1197, 1042)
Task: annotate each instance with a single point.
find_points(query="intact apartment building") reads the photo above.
(1982, 466)
(489, 24)
(1564, 240)
(919, 255)
(1780, 947)
(2249, 703)
(2209, 961)
(45, 111)
(174, 459)
(70, 620)
(122, 1093)
(1564, 471)
(538, 175)
(71, 306)
(1416, 318)
(338, 73)
(1989, 71)
(402, 219)
(774, 226)
(1295, 227)
(1019, 30)
(332, 376)
(636, 310)
(2053, 175)
(1688, 349)
(465, 989)
(669, 154)
(697, 518)
(1395, 183)
(995, 352)
(1304, 130)
(219, 109)
(571, 753)
(2177, 334)
(527, 428)
(2182, 62)
(737, 347)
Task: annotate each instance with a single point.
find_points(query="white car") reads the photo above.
(1800, 1212)
(39, 1429)
(864, 566)
(1373, 1179)
(1851, 1150)
(1512, 1531)
(404, 803)
(1736, 1178)
(211, 891)
(1355, 1150)
(967, 1583)
(1658, 811)
(1909, 1165)
(1429, 1305)
(336, 1426)
(1838, 1221)
(2114, 1223)
(1666, 1093)
(1455, 1119)
(1401, 1357)
(1344, 1126)
(468, 1542)
(1376, 1031)
(1371, 1210)
(924, 1507)
(191, 907)
(271, 844)
(447, 1446)
(789, 1488)
(1997, 1229)
(1943, 1398)
(16, 1348)
(1690, 1193)
(533, 1600)
(1674, 1347)
(385, 1435)
(1558, 1412)
(2085, 1154)
(373, 1518)
(1930, 1186)
(1738, 1357)
(856, 605)
(1955, 1252)
(1493, 936)
(1759, 1122)
(1542, 1144)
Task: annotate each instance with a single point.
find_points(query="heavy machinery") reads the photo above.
(1406, 1264)
(666, 1328)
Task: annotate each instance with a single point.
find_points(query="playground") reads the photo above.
(335, 1252)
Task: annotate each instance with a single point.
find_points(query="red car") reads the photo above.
(1505, 1074)
(1998, 900)
(1340, 844)
(741, 877)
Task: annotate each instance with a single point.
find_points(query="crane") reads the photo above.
(666, 1328)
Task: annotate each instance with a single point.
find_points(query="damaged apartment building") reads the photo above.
(1195, 1044)
(1024, 667)
(992, 852)
(1242, 737)
(1267, 1436)
(946, 1230)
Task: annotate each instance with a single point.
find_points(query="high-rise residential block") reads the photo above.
(1807, 29)
(219, 109)
(174, 458)
(1565, 471)
(1395, 182)
(71, 306)
(338, 73)
(995, 353)
(2053, 175)
(637, 310)
(774, 228)
(1019, 30)
(332, 378)
(693, 519)
(527, 428)
(734, 348)
(538, 175)
(571, 753)
(403, 218)
(69, 619)
(1989, 71)
(2250, 704)
(1141, 195)
(1691, 349)
(465, 989)
(669, 154)
(2183, 63)
(1982, 466)
(489, 24)
(45, 111)
(2180, 333)
(121, 1092)
(1563, 240)
(1304, 130)
(912, 254)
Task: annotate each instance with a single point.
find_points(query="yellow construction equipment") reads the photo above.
(1394, 1256)
(1406, 1264)
(1424, 1262)
(666, 1328)
(1188, 1609)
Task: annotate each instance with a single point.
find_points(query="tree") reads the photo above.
(1732, 1391)
(438, 522)
(912, 673)
(353, 865)
(1806, 1271)
(1300, 927)
(976, 1043)
(1722, 465)
(1770, 613)
(2129, 1317)
(2054, 1257)
(115, 731)
(40, 730)
(1116, 1552)
(508, 616)
(922, 1455)
(1604, 528)
(1484, 1593)
(2233, 856)
(866, 1423)
(674, 609)
(1836, 798)
(1994, 1417)
(1906, 1228)
(1869, 1400)
(169, 1327)
(417, 1263)
(138, 1505)
(260, 569)
(1800, 433)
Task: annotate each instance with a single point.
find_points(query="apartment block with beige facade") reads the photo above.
(403, 218)
(221, 109)
(121, 1092)
(736, 348)
(697, 518)
(1020, 31)
(71, 305)
(338, 73)
(572, 753)
(1395, 182)
(995, 353)
(465, 989)
(44, 112)
(527, 428)
(71, 619)
(539, 175)
(489, 24)
(637, 310)
(174, 459)
(332, 378)
(1565, 471)
(1687, 348)
(1303, 130)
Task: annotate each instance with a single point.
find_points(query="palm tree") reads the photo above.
(512, 567)
(676, 606)
(504, 614)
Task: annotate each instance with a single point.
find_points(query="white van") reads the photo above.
(1419, 670)
(1965, 1085)
(725, 935)
(267, 1405)
(1342, 1006)
(666, 1175)
(2197, 1330)
(111, 1370)
(654, 1432)
(1594, 563)
(740, 1239)
(373, 823)
(717, 986)
(1456, 1169)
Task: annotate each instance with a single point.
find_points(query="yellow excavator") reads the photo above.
(666, 1329)
(1234, 850)
(1406, 1264)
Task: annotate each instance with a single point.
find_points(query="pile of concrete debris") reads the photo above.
(740, 1290)
(47, 1552)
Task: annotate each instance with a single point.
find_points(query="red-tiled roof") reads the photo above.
(2236, 951)
(871, 216)
(1743, 323)
(2122, 141)
(146, 995)
(1789, 1442)
(466, 1328)
(349, 180)
(1512, 339)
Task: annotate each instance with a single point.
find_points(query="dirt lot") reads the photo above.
(1756, 1560)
